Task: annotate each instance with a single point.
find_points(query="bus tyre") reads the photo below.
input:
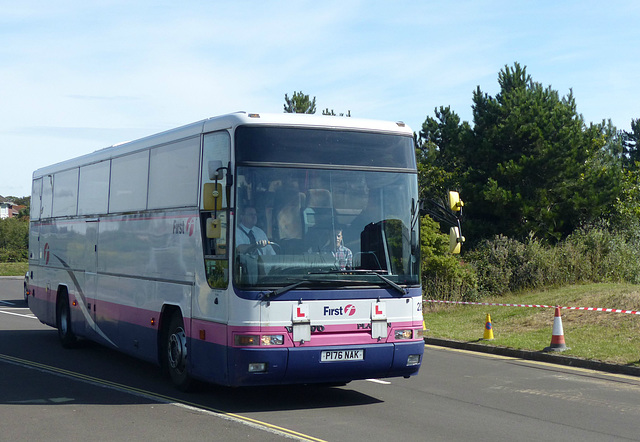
(63, 319)
(175, 353)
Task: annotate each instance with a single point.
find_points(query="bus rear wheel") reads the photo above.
(63, 320)
(175, 353)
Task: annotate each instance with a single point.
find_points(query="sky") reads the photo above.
(77, 76)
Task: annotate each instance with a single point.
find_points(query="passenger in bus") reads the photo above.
(250, 238)
(343, 256)
(333, 246)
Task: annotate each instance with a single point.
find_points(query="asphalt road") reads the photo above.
(48, 393)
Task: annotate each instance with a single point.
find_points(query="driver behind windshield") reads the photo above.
(251, 239)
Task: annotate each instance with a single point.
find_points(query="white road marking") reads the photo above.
(30, 316)
(378, 381)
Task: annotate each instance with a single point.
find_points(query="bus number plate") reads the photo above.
(341, 355)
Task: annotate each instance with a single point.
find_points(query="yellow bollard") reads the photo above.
(488, 329)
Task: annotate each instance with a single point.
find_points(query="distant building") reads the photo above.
(9, 209)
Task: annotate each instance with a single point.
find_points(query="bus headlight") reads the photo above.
(418, 333)
(272, 339)
(404, 334)
(413, 360)
(252, 340)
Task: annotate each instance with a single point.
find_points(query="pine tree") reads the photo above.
(299, 103)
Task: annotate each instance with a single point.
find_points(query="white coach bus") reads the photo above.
(244, 249)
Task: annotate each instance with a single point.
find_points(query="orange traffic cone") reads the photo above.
(557, 337)
(488, 329)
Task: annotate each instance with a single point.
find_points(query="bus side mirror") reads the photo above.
(455, 240)
(216, 171)
(455, 203)
(212, 196)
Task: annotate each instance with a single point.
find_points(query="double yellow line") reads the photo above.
(154, 396)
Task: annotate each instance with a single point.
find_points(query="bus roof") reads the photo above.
(228, 121)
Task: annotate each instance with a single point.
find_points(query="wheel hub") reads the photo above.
(178, 349)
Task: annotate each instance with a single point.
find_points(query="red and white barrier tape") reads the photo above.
(590, 309)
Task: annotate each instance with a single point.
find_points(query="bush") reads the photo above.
(493, 261)
(591, 254)
(13, 255)
(444, 276)
(14, 240)
(608, 256)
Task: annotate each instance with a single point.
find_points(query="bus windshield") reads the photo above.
(331, 227)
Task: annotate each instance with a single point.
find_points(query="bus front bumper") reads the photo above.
(264, 366)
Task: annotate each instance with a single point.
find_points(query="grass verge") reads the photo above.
(13, 268)
(601, 336)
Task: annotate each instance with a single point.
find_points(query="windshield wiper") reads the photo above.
(395, 286)
(378, 273)
(277, 292)
(267, 296)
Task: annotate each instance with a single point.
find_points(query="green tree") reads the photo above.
(440, 148)
(622, 148)
(531, 164)
(631, 145)
(299, 103)
(22, 201)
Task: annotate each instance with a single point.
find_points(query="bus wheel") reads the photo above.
(175, 353)
(63, 316)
